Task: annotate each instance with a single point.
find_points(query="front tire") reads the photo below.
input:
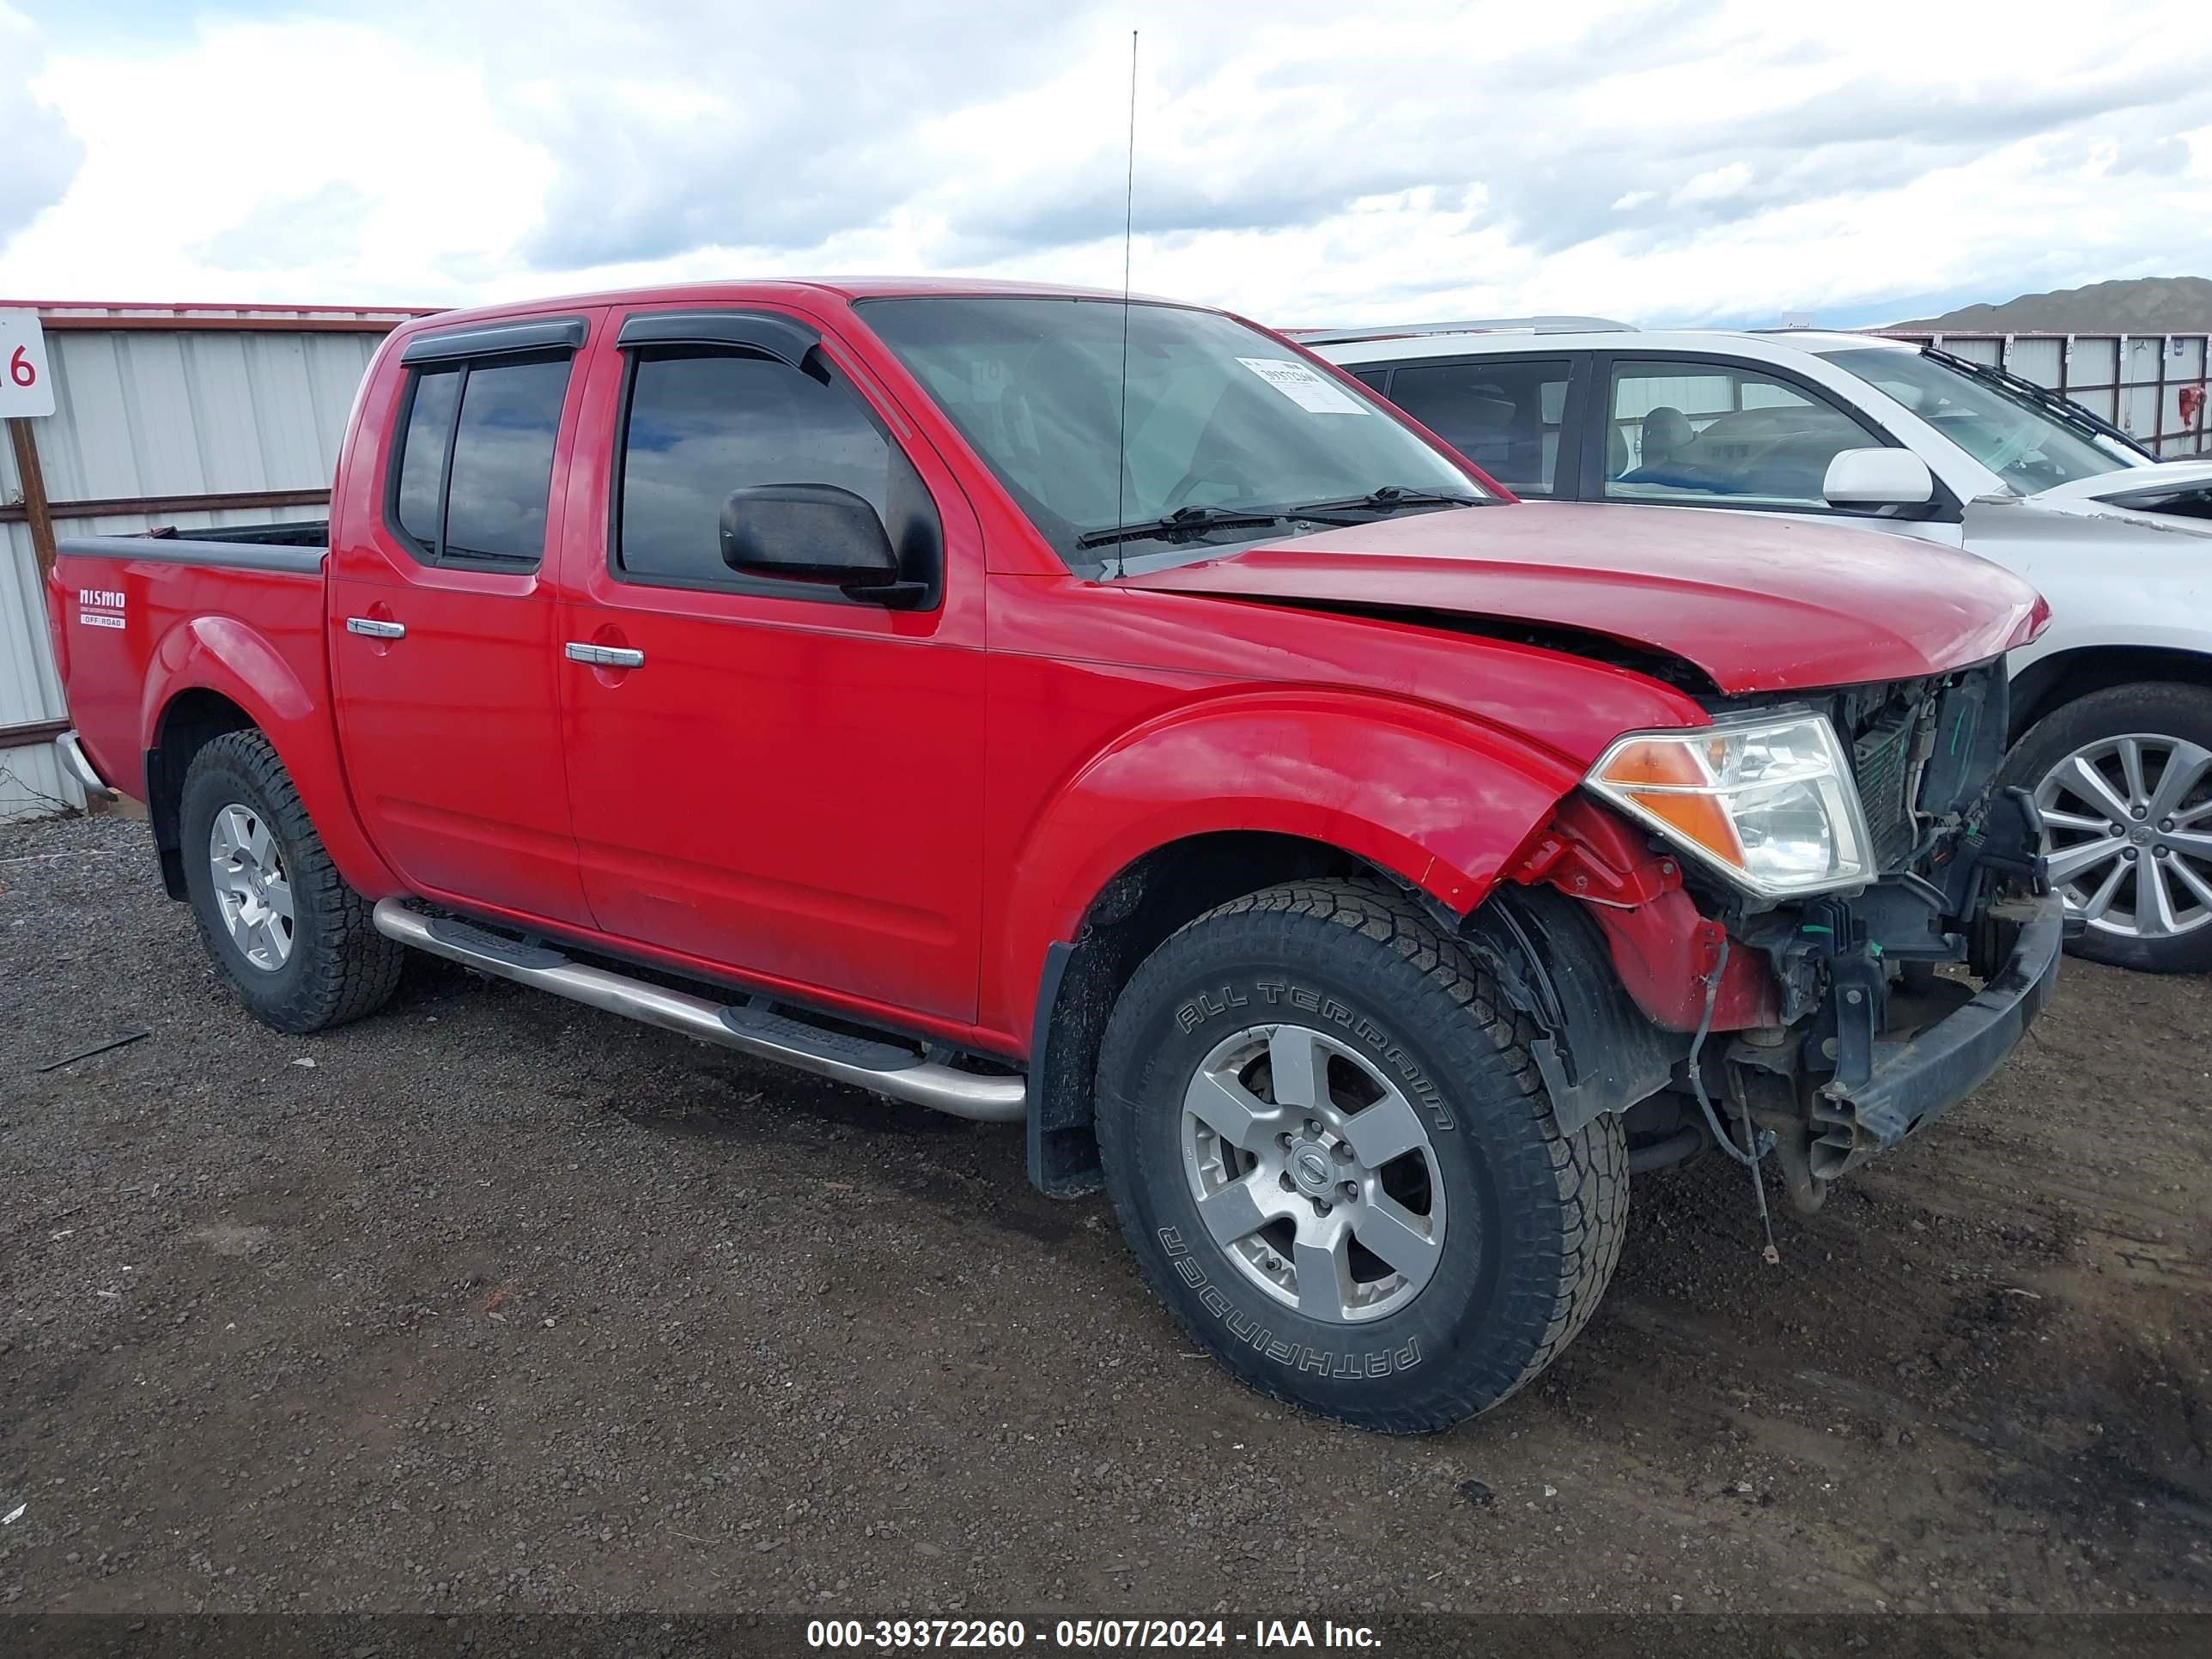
(1334, 1160)
(2124, 779)
(295, 941)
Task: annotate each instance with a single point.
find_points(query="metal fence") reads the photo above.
(190, 415)
(2137, 382)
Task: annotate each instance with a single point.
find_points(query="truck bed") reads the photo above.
(297, 544)
(293, 532)
(132, 614)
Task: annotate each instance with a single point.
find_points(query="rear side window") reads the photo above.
(700, 425)
(1504, 416)
(474, 475)
(422, 454)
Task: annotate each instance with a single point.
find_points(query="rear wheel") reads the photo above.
(1333, 1156)
(2123, 780)
(295, 942)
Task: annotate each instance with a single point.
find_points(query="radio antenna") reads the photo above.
(1128, 235)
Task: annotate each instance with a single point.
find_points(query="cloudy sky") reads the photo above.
(1665, 160)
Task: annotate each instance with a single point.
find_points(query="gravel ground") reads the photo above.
(492, 1300)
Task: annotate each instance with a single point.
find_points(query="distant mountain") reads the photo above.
(2147, 305)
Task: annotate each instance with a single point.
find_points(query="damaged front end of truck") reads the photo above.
(1800, 934)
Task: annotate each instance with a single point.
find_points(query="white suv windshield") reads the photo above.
(1220, 419)
(2024, 444)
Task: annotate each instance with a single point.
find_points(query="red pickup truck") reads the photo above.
(1106, 715)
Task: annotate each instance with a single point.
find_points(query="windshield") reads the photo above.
(1219, 417)
(2008, 432)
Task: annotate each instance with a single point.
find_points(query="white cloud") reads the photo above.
(38, 155)
(197, 162)
(1714, 185)
(1658, 162)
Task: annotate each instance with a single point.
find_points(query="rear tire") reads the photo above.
(295, 941)
(1403, 1291)
(2145, 882)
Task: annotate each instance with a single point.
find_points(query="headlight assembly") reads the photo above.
(1770, 805)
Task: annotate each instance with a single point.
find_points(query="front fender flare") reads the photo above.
(1440, 801)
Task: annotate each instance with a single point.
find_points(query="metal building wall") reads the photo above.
(150, 403)
(2133, 381)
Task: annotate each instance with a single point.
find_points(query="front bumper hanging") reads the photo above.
(1914, 1080)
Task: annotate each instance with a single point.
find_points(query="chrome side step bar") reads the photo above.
(882, 1066)
(79, 766)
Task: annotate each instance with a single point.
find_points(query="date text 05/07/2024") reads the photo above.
(889, 1635)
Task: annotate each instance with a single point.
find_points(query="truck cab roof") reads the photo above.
(784, 289)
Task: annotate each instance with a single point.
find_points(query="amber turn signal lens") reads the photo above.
(1669, 765)
(1651, 773)
(1701, 819)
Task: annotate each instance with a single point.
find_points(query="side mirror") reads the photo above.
(810, 532)
(1878, 478)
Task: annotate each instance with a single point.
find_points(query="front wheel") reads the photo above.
(1333, 1156)
(2124, 779)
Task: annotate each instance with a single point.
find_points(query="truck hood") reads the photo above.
(2123, 484)
(1758, 604)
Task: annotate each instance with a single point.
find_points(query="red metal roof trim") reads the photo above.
(121, 315)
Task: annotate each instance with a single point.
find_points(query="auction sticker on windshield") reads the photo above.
(1314, 394)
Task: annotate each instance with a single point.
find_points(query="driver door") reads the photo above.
(764, 775)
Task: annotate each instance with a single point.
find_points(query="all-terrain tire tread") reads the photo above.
(1589, 1169)
(357, 972)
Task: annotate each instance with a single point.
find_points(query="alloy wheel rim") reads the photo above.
(1314, 1174)
(253, 891)
(2128, 832)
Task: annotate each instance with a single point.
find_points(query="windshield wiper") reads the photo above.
(1388, 498)
(1183, 521)
(2063, 409)
(1191, 519)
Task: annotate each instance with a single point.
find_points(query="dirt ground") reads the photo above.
(492, 1300)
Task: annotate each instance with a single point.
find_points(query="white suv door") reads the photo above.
(1685, 431)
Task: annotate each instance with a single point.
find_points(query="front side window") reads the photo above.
(2008, 432)
(1711, 432)
(1504, 416)
(474, 475)
(703, 424)
(1217, 417)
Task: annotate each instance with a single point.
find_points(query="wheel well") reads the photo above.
(193, 719)
(2058, 679)
(1131, 917)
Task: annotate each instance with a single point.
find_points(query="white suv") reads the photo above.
(2111, 708)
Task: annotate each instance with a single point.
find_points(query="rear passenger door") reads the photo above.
(1512, 417)
(444, 645)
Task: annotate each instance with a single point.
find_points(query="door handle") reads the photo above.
(603, 656)
(376, 629)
